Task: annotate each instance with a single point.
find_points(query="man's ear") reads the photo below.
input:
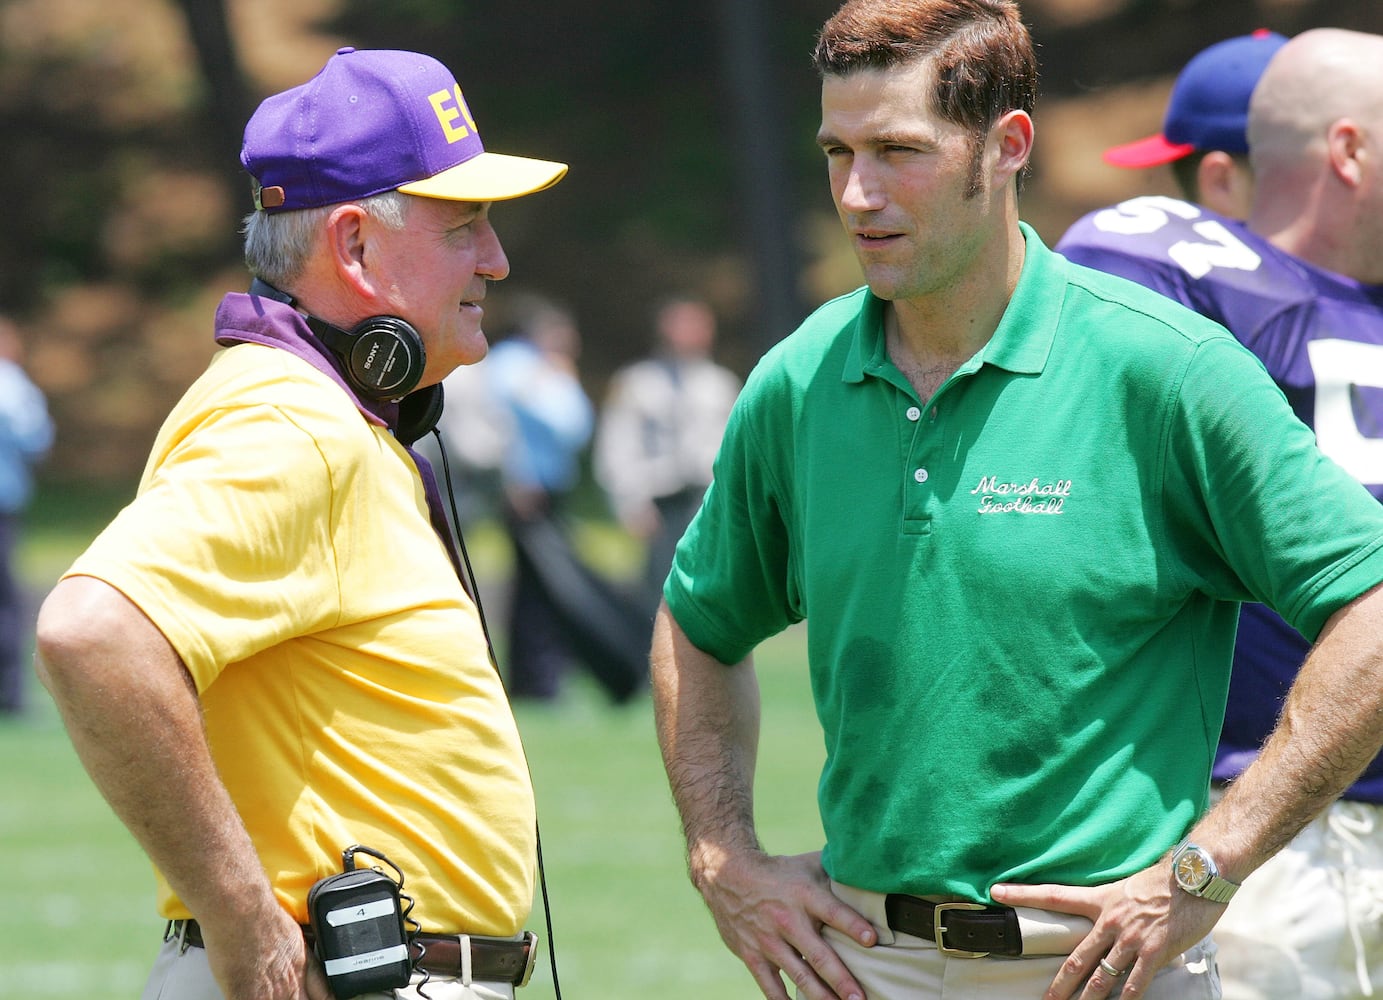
(1344, 146)
(1224, 184)
(1013, 139)
(346, 236)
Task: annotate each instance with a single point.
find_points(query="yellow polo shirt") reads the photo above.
(281, 543)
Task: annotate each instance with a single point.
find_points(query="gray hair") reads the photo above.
(277, 245)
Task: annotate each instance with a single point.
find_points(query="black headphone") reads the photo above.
(383, 355)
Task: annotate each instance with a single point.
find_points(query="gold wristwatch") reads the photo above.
(1197, 873)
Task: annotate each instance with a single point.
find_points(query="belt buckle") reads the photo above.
(532, 940)
(176, 931)
(940, 927)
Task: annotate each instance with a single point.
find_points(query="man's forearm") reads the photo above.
(707, 715)
(1331, 728)
(134, 720)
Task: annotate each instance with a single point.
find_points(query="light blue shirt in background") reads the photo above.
(552, 416)
(26, 434)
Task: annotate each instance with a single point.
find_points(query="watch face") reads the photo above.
(1191, 870)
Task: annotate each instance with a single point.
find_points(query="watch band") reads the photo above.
(1219, 890)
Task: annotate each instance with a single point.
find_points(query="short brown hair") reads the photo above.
(985, 64)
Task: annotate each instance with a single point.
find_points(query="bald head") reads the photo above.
(1316, 148)
(1316, 79)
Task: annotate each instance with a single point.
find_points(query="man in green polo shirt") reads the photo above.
(1018, 503)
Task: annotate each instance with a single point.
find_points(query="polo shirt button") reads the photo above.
(920, 475)
(914, 413)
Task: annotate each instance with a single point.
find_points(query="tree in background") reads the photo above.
(688, 126)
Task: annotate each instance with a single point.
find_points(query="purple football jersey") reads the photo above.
(1320, 336)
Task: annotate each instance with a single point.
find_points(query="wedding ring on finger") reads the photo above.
(1109, 969)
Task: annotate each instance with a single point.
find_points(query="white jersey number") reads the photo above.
(1337, 366)
(1218, 247)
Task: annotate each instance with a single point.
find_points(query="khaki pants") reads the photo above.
(185, 975)
(903, 967)
(1308, 925)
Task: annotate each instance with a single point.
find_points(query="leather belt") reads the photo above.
(960, 929)
(493, 960)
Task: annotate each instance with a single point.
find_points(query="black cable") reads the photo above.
(547, 910)
(469, 580)
(494, 662)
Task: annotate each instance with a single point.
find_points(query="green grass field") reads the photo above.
(78, 919)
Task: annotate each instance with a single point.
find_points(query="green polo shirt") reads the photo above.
(1021, 594)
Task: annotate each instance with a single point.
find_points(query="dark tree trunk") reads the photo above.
(756, 101)
(227, 97)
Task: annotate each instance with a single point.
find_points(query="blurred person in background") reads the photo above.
(26, 435)
(1300, 283)
(560, 610)
(475, 434)
(1204, 131)
(660, 427)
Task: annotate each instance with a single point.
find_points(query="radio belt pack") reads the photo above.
(358, 927)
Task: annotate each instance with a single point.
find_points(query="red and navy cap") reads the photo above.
(1209, 106)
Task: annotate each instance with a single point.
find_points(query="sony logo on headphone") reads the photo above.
(369, 362)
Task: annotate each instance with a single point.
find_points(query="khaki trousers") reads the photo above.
(185, 975)
(1308, 924)
(903, 967)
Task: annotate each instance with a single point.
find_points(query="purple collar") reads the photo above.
(253, 319)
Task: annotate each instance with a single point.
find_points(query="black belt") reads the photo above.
(493, 960)
(962, 930)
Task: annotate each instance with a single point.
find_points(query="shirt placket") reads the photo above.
(919, 464)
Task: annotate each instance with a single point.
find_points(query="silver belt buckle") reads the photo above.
(940, 927)
(532, 958)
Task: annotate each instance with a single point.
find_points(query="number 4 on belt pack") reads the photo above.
(357, 922)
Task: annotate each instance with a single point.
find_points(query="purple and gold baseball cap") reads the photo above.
(1209, 105)
(377, 120)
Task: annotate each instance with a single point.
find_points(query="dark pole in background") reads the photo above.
(228, 102)
(754, 86)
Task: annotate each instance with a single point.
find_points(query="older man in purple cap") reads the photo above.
(1204, 134)
(268, 662)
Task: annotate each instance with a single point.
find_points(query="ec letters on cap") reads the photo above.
(448, 112)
